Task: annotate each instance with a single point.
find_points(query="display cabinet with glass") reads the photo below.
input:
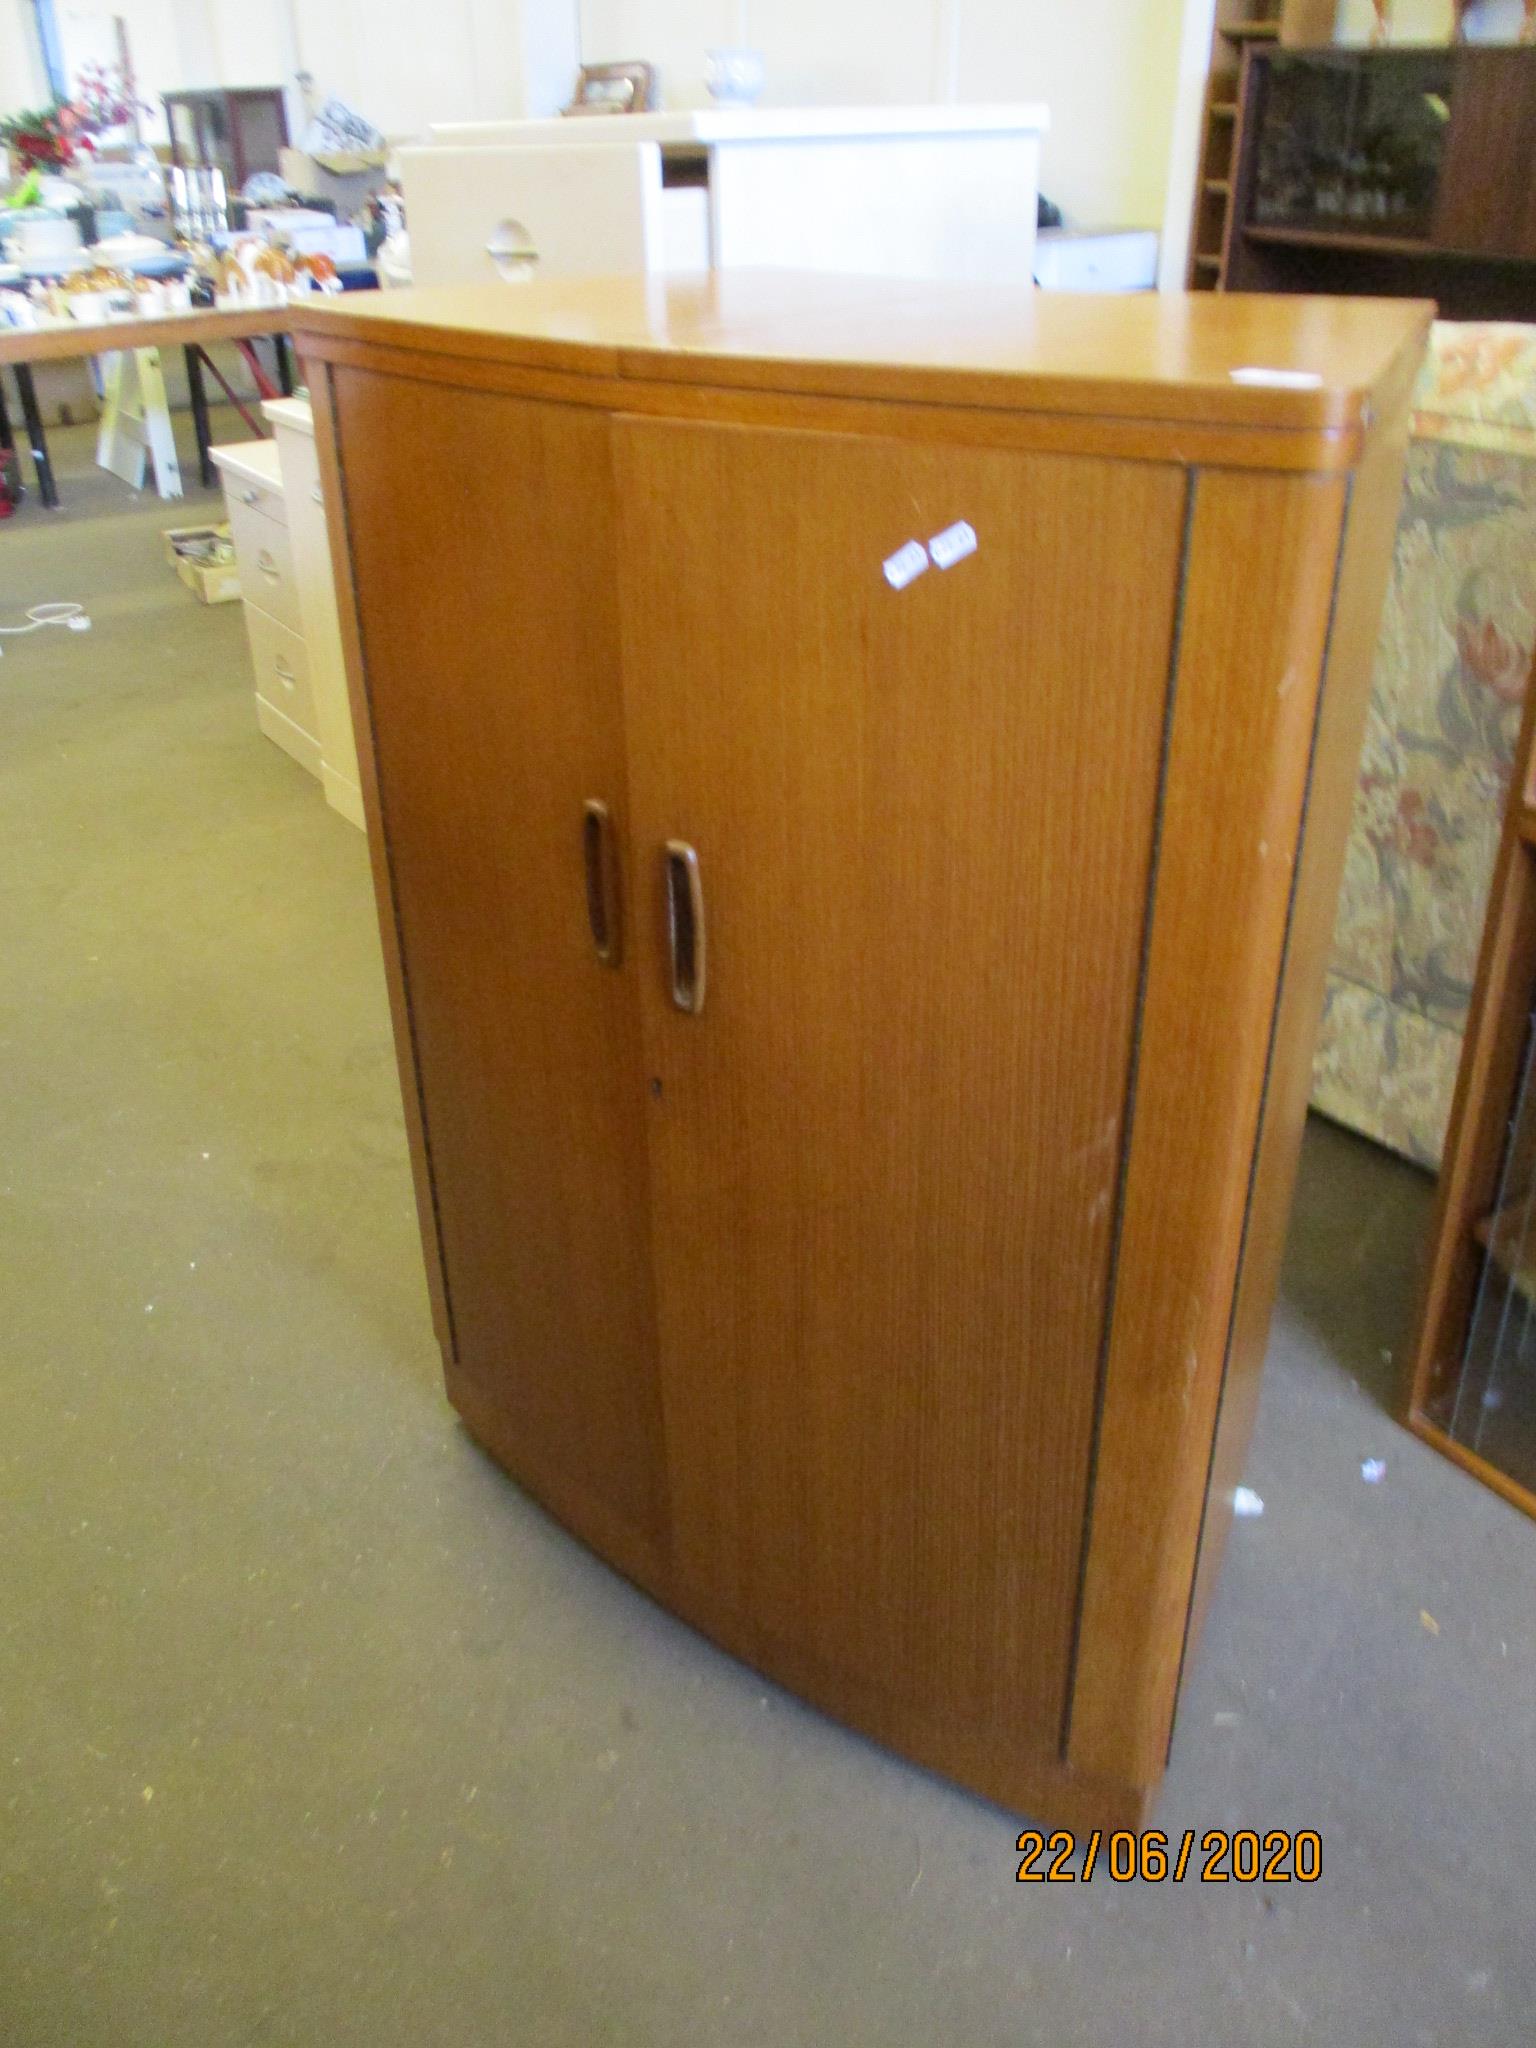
(236, 130)
(1398, 172)
(1349, 145)
(1472, 1380)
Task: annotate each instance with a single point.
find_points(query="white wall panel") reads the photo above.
(1107, 69)
(851, 53)
(21, 78)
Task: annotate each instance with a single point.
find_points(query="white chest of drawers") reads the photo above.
(277, 518)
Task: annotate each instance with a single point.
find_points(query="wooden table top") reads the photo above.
(64, 339)
(1207, 357)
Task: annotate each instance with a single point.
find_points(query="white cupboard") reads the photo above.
(277, 520)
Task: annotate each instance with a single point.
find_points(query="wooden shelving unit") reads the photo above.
(1343, 238)
(1238, 23)
(1446, 213)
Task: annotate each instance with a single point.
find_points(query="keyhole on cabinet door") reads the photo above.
(656, 1087)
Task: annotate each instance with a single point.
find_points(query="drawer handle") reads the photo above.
(268, 567)
(250, 495)
(685, 925)
(602, 868)
(317, 494)
(512, 252)
(285, 674)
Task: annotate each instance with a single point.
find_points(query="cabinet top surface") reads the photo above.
(290, 412)
(1233, 359)
(758, 124)
(254, 462)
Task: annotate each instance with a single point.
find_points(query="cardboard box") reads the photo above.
(210, 583)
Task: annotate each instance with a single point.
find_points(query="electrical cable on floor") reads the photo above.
(69, 614)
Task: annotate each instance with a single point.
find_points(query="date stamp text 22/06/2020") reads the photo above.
(1219, 1856)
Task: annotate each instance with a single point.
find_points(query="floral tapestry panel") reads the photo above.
(1451, 661)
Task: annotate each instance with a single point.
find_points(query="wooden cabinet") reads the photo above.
(1387, 171)
(854, 1026)
(237, 130)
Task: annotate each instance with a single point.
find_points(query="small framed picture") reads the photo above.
(614, 89)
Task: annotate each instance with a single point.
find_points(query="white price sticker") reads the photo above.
(953, 544)
(908, 562)
(1278, 380)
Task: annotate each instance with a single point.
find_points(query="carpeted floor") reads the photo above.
(316, 1732)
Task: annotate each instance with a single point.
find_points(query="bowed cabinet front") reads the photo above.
(789, 983)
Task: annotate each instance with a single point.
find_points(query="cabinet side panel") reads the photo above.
(1367, 556)
(1258, 593)
(318, 376)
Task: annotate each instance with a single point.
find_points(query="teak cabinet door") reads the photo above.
(482, 542)
(886, 1149)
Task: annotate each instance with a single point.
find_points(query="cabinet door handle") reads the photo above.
(685, 925)
(602, 866)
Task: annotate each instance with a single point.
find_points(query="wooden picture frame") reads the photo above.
(627, 88)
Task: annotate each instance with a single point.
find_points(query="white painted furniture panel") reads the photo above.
(264, 558)
(932, 191)
(482, 213)
(285, 702)
(726, 125)
(1102, 260)
(252, 479)
(294, 426)
(921, 206)
(277, 518)
(258, 523)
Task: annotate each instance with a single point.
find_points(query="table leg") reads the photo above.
(47, 489)
(10, 462)
(197, 390)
